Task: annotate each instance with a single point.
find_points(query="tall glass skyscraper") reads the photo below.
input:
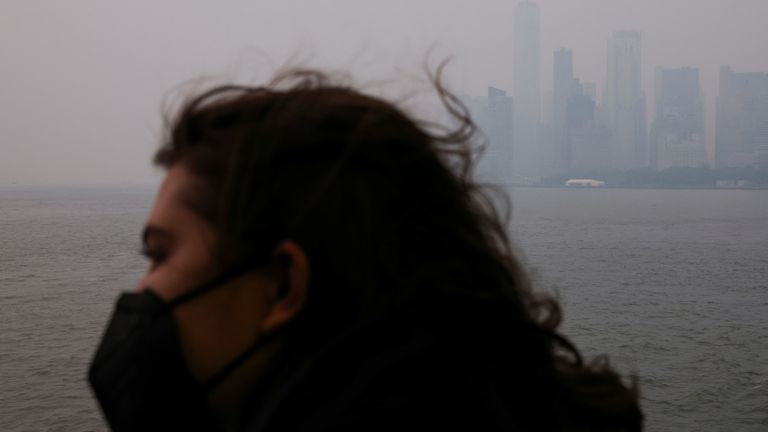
(625, 101)
(563, 86)
(678, 125)
(526, 157)
(742, 119)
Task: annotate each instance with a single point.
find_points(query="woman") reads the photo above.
(319, 261)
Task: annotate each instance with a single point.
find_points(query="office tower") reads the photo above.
(678, 126)
(493, 116)
(478, 110)
(589, 89)
(588, 142)
(500, 129)
(526, 86)
(562, 80)
(741, 137)
(625, 102)
(546, 132)
(580, 109)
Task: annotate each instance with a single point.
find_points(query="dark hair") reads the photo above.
(390, 218)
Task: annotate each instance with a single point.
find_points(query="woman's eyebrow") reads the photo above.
(154, 231)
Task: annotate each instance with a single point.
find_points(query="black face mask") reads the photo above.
(139, 374)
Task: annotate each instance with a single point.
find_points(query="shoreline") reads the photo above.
(640, 187)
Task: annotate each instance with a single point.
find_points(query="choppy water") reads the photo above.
(673, 284)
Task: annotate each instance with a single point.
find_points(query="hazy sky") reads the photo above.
(83, 81)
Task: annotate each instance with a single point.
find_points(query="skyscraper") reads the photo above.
(500, 109)
(527, 92)
(562, 80)
(678, 125)
(588, 141)
(742, 119)
(493, 116)
(625, 101)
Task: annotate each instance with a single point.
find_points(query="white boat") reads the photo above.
(584, 183)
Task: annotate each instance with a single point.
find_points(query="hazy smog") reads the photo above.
(631, 135)
(83, 82)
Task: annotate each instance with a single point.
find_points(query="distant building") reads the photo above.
(591, 148)
(562, 80)
(742, 119)
(625, 101)
(577, 140)
(526, 157)
(478, 109)
(588, 141)
(546, 148)
(589, 89)
(493, 115)
(677, 134)
(581, 105)
(500, 122)
(547, 108)
(547, 138)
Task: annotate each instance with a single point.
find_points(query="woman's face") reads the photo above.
(181, 247)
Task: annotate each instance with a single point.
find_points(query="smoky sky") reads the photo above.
(83, 82)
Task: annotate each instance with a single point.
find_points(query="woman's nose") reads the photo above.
(142, 284)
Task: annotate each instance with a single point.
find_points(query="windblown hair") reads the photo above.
(391, 219)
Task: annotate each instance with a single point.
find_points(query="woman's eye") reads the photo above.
(155, 256)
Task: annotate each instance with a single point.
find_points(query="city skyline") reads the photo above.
(617, 134)
(673, 132)
(85, 84)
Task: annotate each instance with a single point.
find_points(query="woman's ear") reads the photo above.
(292, 269)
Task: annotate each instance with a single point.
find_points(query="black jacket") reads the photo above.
(415, 372)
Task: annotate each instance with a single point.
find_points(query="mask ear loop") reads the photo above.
(205, 288)
(221, 375)
(208, 286)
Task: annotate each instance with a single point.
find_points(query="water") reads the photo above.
(673, 284)
(66, 254)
